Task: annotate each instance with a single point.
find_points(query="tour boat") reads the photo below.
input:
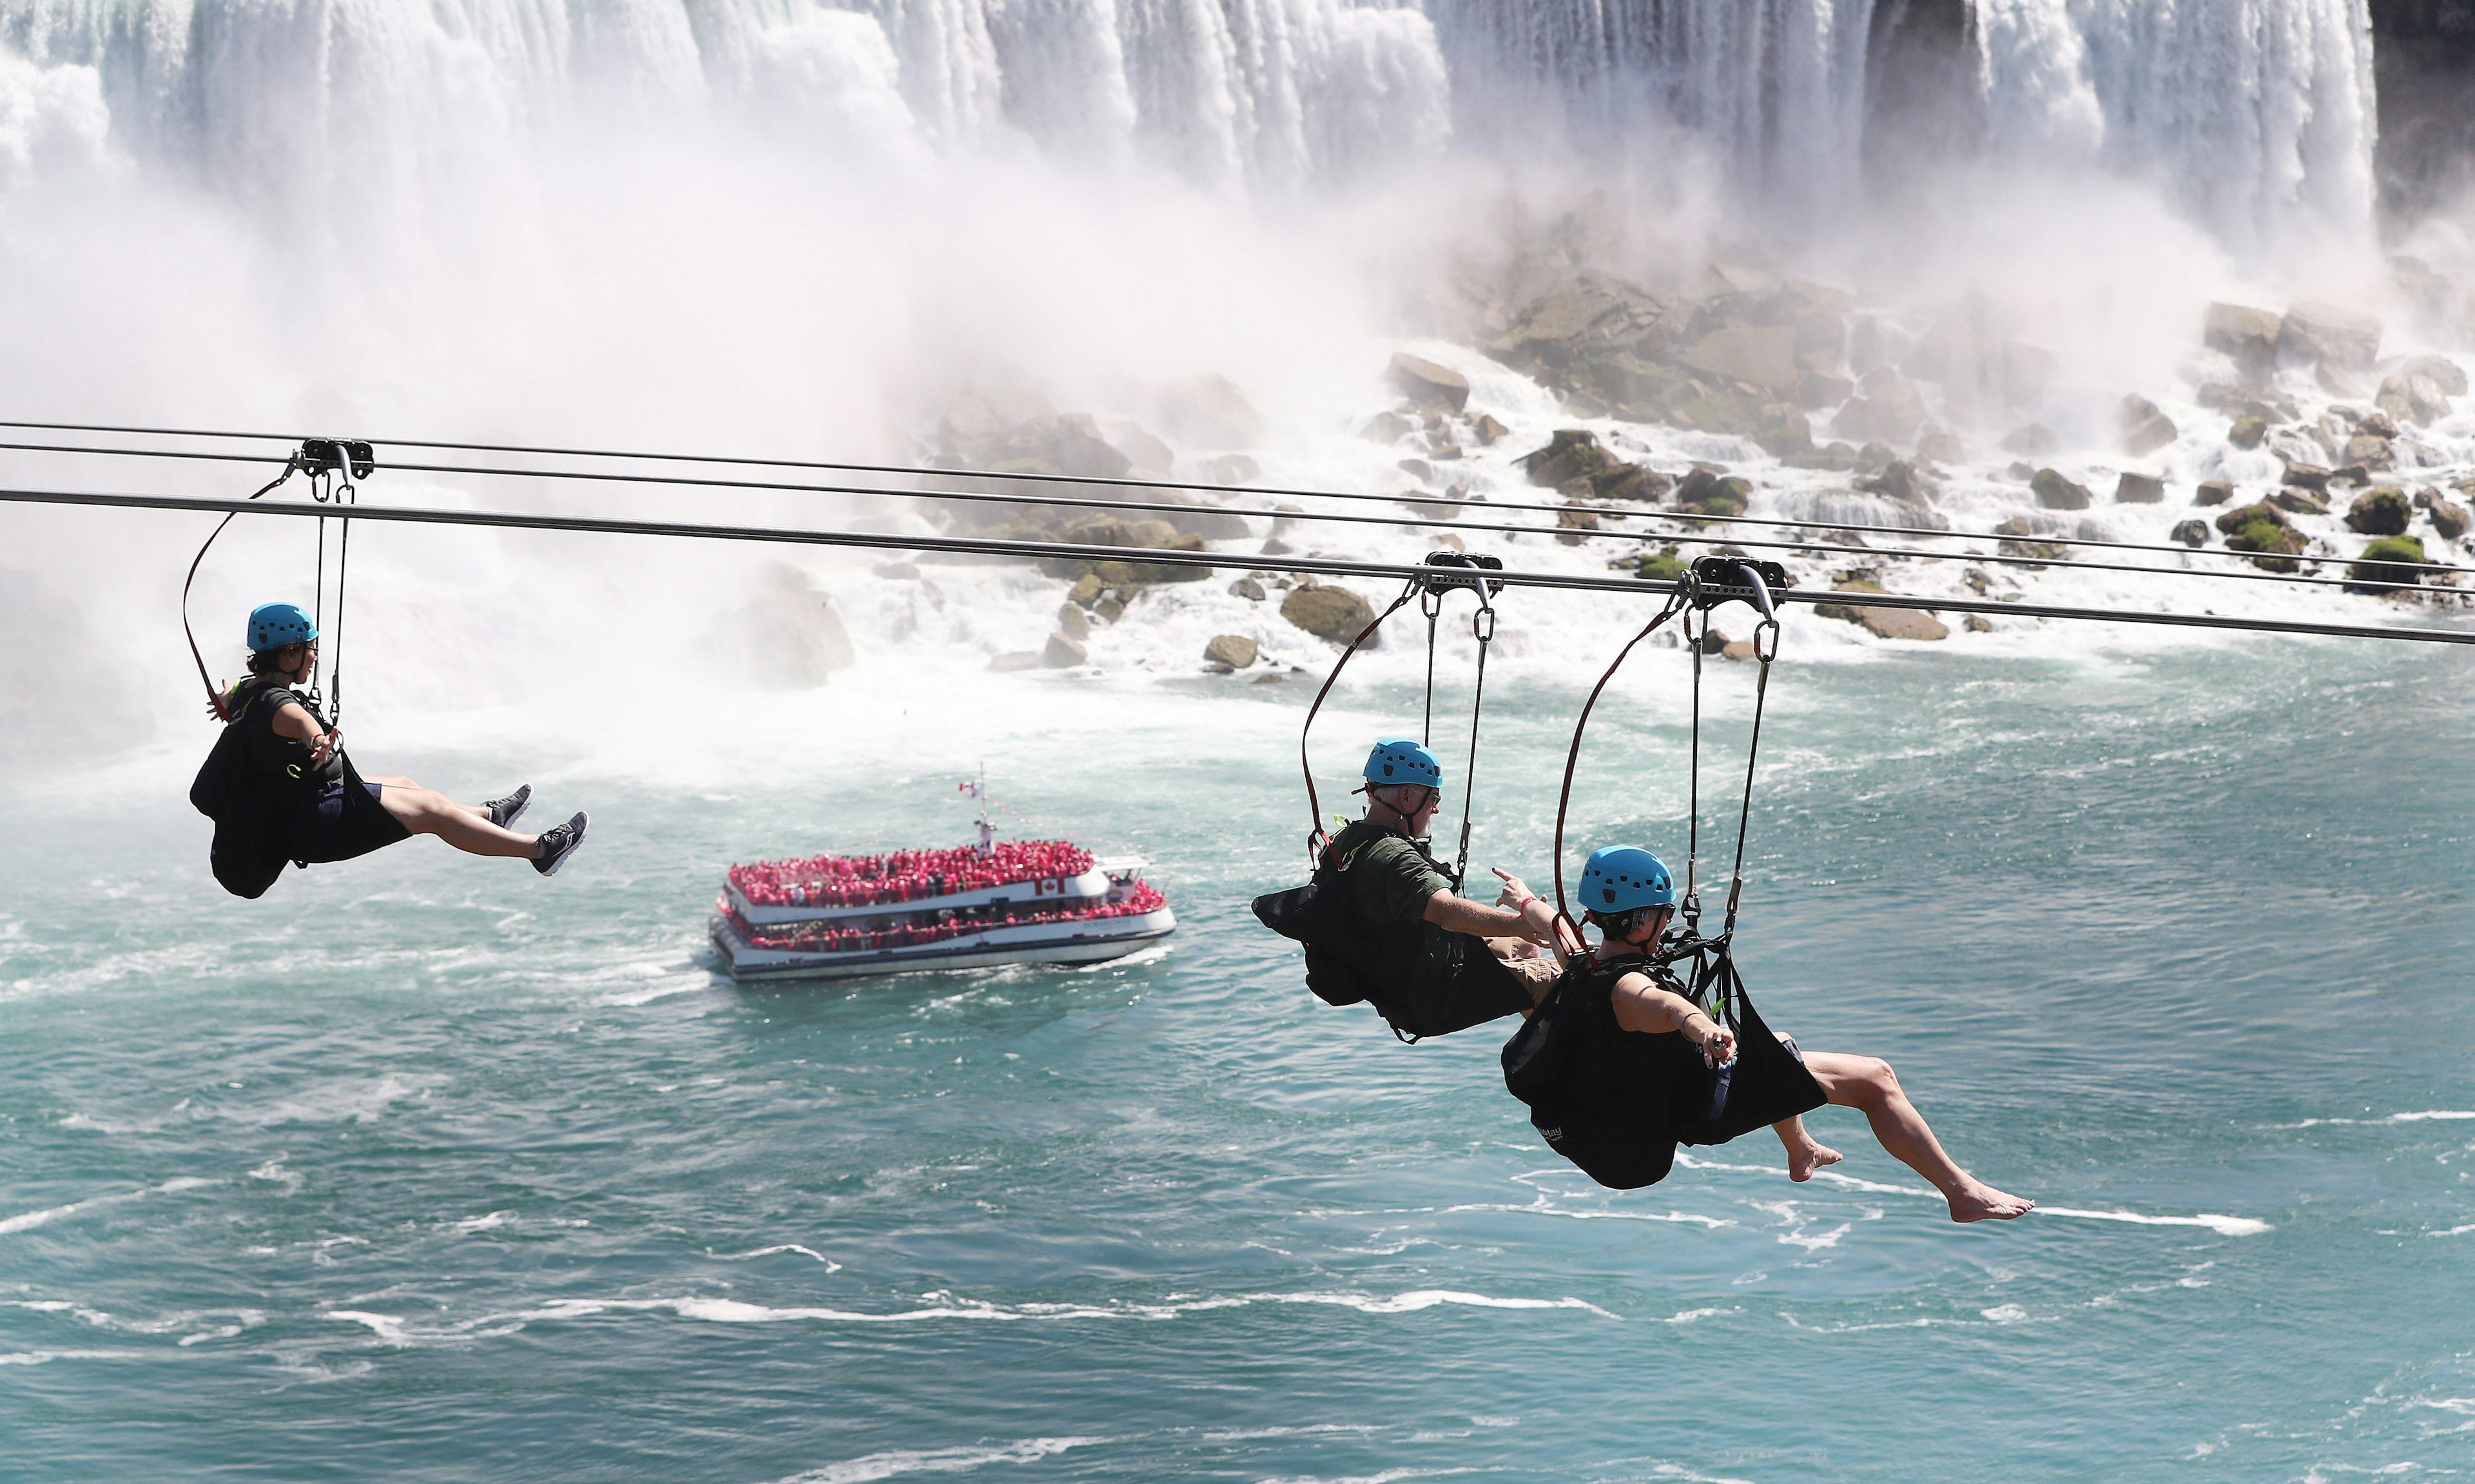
(836, 916)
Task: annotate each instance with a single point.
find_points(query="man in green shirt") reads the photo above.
(1435, 960)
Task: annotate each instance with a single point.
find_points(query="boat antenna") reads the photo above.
(988, 831)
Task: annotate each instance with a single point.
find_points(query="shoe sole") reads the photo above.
(573, 846)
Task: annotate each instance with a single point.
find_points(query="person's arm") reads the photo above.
(1642, 1006)
(1459, 915)
(294, 721)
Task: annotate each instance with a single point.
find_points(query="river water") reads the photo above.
(423, 1167)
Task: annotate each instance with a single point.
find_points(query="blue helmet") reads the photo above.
(1397, 759)
(1619, 878)
(273, 625)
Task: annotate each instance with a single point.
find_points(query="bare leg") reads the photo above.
(392, 780)
(427, 812)
(1867, 1085)
(1806, 1153)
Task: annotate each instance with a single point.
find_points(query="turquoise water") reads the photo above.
(423, 1168)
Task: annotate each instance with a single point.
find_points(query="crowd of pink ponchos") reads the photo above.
(816, 938)
(904, 875)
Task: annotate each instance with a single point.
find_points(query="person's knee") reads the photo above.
(1871, 1082)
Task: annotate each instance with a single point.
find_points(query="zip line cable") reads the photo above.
(508, 519)
(1129, 483)
(1089, 502)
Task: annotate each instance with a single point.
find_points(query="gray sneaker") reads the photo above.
(557, 843)
(508, 811)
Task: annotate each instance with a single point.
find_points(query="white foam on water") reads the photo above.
(831, 1266)
(28, 1220)
(897, 1461)
(2224, 1225)
(46, 1357)
(2426, 1115)
(1696, 1316)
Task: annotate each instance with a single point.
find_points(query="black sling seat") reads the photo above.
(1617, 1101)
(1423, 979)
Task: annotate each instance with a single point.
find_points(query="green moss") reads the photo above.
(2378, 569)
(2277, 545)
(1663, 566)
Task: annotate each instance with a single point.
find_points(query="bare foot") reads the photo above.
(1976, 1201)
(1802, 1162)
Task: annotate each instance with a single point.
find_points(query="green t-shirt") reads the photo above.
(1391, 879)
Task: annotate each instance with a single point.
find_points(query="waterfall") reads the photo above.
(2254, 117)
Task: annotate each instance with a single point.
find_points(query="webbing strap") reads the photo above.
(214, 698)
(1676, 603)
(1315, 837)
(1481, 629)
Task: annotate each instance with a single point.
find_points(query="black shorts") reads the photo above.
(323, 828)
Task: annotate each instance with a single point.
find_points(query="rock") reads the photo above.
(1276, 546)
(1787, 432)
(1662, 565)
(1886, 407)
(1428, 384)
(1073, 622)
(2131, 489)
(1487, 430)
(1337, 614)
(2213, 491)
(2425, 402)
(1447, 540)
(1887, 623)
(1820, 389)
(2338, 382)
(1109, 609)
(2018, 527)
(2299, 501)
(1713, 642)
(1231, 469)
(1064, 654)
(2378, 569)
(1570, 521)
(1571, 454)
(1248, 589)
(2448, 519)
(1060, 444)
(2305, 477)
(1896, 480)
(1231, 651)
(2034, 441)
(2372, 451)
(1706, 491)
(1941, 446)
(2263, 528)
(1387, 428)
(1630, 481)
(2248, 335)
(2190, 533)
(2056, 493)
(1023, 659)
(788, 637)
(1417, 469)
(1737, 649)
(2443, 373)
(1145, 453)
(897, 571)
(2383, 512)
(2352, 473)
(2376, 424)
(2327, 333)
(2026, 369)
(1208, 412)
(2145, 428)
(2247, 433)
(1760, 356)
(1086, 590)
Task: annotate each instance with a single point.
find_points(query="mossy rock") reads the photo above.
(2300, 502)
(2253, 514)
(2275, 544)
(2015, 530)
(2378, 570)
(1706, 492)
(2383, 512)
(1571, 454)
(1662, 565)
(2056, 493)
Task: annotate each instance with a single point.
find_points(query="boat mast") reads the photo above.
(988, 831)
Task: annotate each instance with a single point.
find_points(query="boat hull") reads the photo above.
(1090, 941)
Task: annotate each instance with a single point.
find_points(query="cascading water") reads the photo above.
(2253, 115)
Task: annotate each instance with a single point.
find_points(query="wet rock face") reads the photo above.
(2213, 491)
(1230, 652)
(788, 637)
(1208, 412)
(2248, 335)
(2263, 528)
(1706, 491)
(1886, 622)
(2384, 564)
(2448, 519)
(1571, 454)
(2331, 335)
(2192, 533)
(2013, 532)
(2247, 433)
(2131, 489)
(1761, 356)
